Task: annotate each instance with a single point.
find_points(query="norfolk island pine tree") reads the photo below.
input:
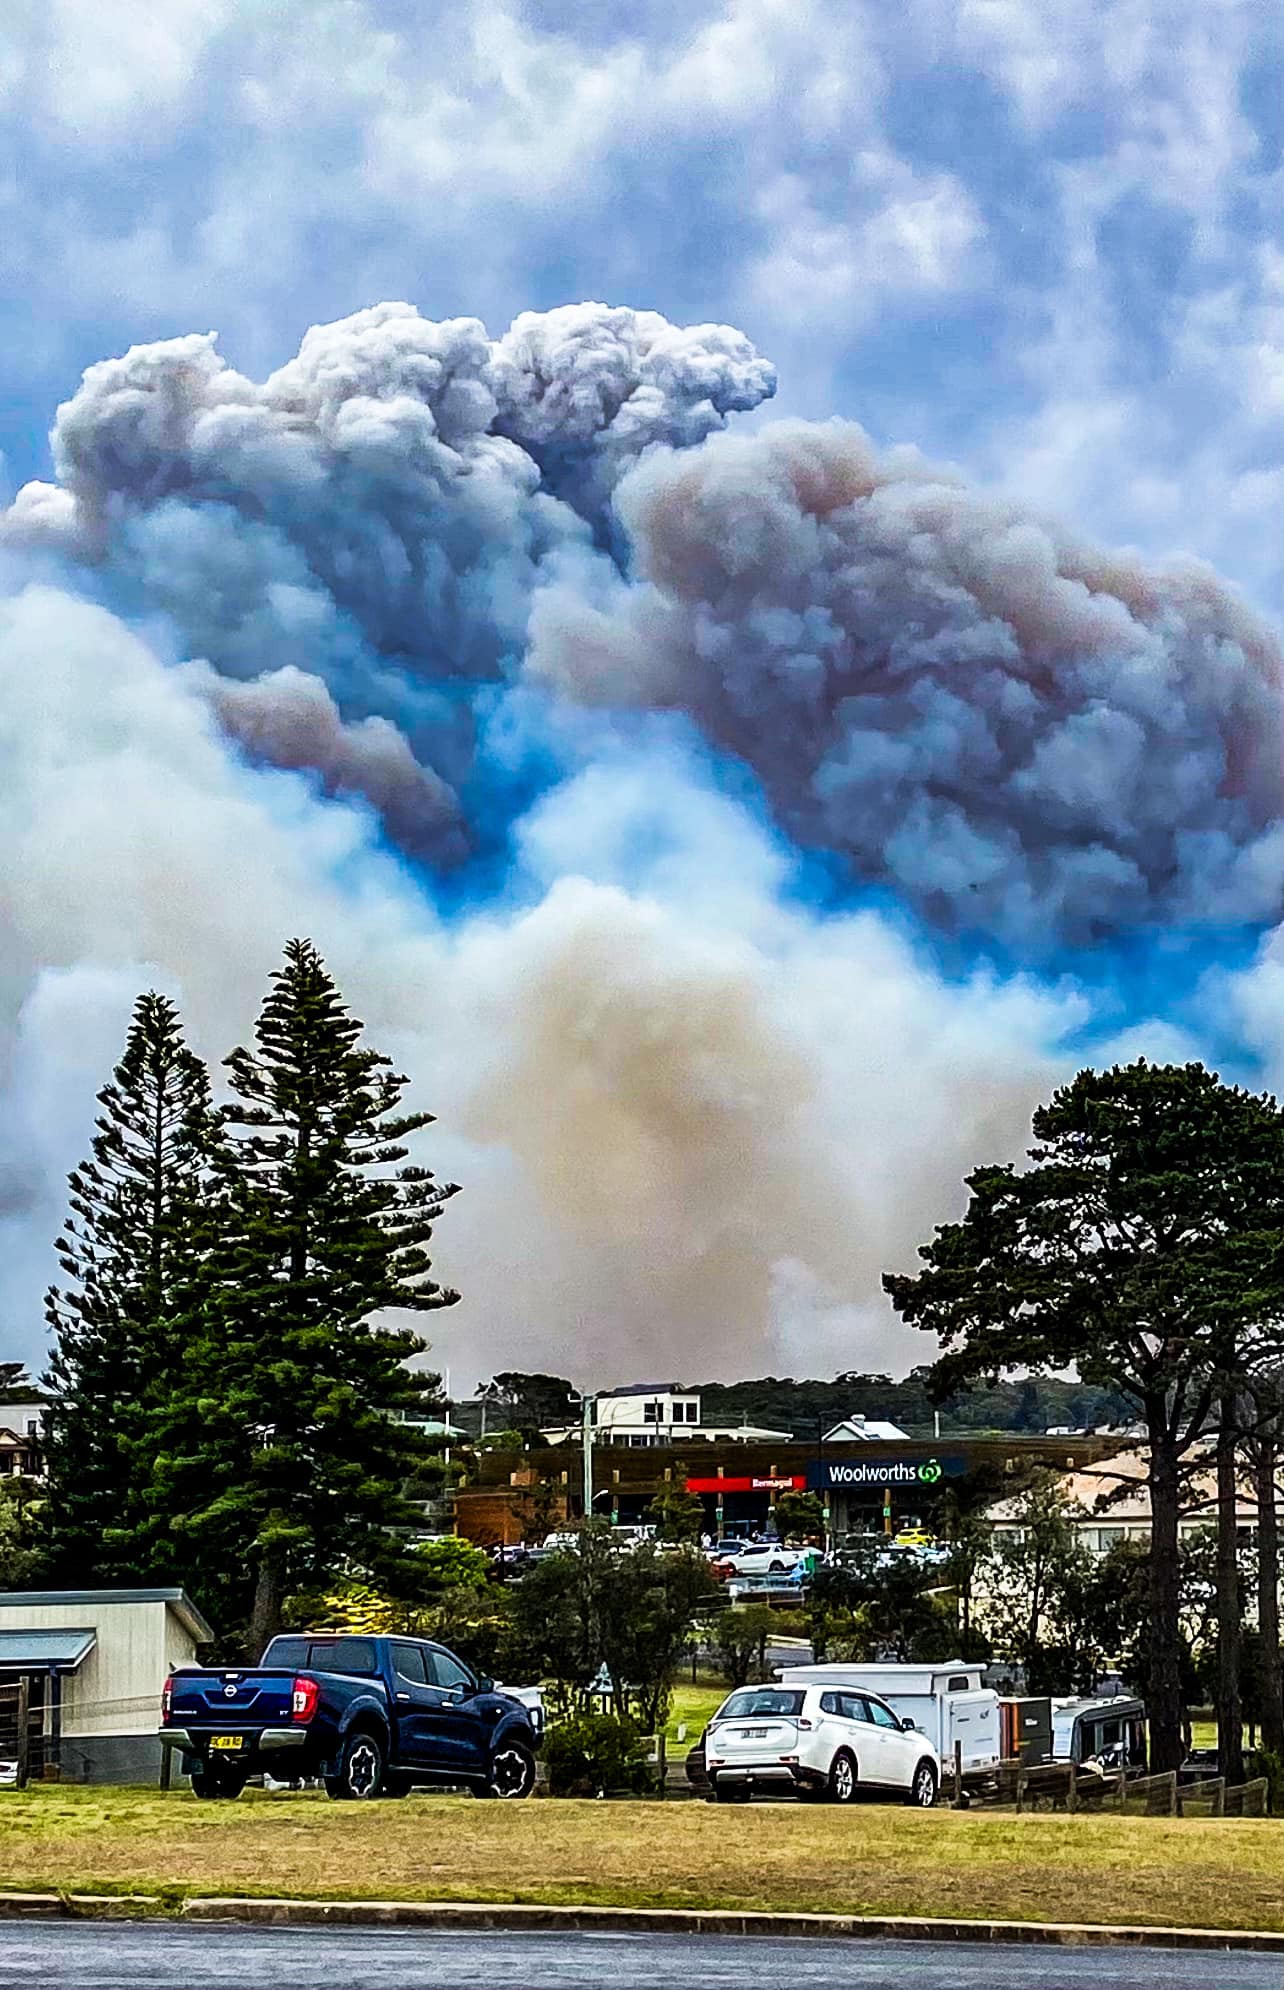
(283, 1453)
(128, 1248)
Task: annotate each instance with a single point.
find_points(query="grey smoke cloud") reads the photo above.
(376, 514)
(1020, 733)
(288, 719)
(586, 390)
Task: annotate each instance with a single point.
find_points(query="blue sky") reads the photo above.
(1038, 241)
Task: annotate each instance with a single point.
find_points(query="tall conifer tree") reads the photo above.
(286, 1446)
(126, 1249)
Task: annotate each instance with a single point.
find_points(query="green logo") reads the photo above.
(930, 1472)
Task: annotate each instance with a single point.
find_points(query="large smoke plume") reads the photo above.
(1021, 734)
(436, 647)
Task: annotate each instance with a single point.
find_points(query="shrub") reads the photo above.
(595, 1753)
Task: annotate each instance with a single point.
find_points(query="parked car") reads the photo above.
(823, 1742)
(759, 1558)
(914, 1537)
(946, 1701)
(370, 1716)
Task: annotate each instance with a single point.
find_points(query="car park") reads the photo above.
(821, 1742)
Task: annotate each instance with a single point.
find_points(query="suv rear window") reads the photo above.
(755, 1702)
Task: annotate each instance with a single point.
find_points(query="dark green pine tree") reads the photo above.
(127, 1248)
(288, 1447)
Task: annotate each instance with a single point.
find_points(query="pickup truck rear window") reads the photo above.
(354, 1657)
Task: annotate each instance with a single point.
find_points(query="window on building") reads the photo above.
(687, 1412)
(651, 1412)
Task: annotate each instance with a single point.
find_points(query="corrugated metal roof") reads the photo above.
(36, 1651)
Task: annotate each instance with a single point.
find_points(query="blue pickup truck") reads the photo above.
(370, 1716)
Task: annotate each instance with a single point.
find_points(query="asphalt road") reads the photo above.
(107, 1956)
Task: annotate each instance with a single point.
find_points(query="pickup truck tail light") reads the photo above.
(303, 1698)
(167, 1697)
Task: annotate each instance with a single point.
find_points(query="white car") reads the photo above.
(823, 1741)
(760, 1558)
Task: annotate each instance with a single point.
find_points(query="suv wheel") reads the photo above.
(843, 1782)
(360, 1772)
(512, 1771)
(922, 1791)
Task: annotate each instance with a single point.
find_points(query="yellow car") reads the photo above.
(914, 1537)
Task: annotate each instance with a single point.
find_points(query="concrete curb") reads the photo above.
(78, 1906)
(534, 1919)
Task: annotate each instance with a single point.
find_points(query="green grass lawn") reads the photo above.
(693, 1706)
(878, 1859)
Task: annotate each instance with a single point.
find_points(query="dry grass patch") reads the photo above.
(874, 1859)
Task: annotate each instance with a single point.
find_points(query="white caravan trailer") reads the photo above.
(947, 1702)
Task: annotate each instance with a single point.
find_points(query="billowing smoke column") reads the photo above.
(508, 606)
(1021, 734)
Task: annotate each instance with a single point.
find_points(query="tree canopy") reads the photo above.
(1143, 1241)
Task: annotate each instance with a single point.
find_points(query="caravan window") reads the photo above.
(958, 1684)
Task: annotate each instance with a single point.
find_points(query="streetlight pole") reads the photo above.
(586, 1431)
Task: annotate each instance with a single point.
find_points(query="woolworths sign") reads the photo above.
(843, 1475)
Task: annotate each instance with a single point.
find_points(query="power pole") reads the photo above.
(587, 1437)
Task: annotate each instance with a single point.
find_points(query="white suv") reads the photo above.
(825, 1741)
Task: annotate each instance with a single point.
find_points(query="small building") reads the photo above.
(857, 1429)
(22, 1415)
(1109, 1502)
(647, 1415)
(95, 1661)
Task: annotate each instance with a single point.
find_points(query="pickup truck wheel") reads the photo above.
(209, 1783)
(360, 1772)
(512, 1771)
(843, 1781)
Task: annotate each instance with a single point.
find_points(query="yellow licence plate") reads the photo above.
(228, 1741)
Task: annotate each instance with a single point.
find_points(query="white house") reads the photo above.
(857, 1429)
(653, 1413)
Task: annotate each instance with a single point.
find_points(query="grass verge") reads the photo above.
(875, 1859)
